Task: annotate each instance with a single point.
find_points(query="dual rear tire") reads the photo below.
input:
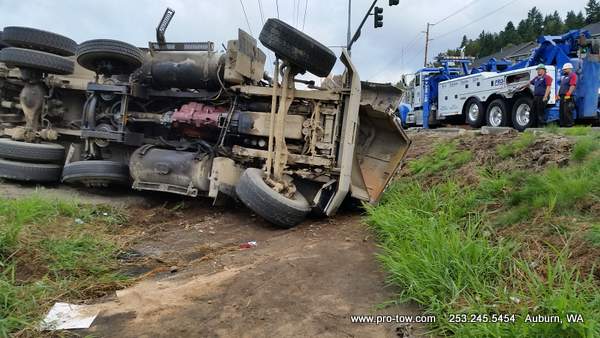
(31, 162)
(499, 113)
(30, 48)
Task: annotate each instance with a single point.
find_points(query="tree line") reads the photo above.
(527, 30)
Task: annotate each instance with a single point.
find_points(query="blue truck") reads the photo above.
(496, 93)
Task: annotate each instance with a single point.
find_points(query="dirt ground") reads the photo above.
(198, 282)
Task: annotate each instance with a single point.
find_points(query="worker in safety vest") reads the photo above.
(542, 85)
(568, 83)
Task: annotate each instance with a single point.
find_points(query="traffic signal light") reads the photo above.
(378, 17)
(394, 2)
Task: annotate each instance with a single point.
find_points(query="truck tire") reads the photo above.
(2, 43)
(29, 172)
(42, 61)
(521, 114)
(297, 48)
(95, 173)
(277, 209)
(31, 152)
(474, 113)
(497, 114)
(37, 39)
(110, 57)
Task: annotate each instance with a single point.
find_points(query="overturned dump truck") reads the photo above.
(185, 119)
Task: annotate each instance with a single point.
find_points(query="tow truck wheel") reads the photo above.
(521, 114)
(497, 114)
(259, 197)
(474, 113)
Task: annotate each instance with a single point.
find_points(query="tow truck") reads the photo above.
(493, 94)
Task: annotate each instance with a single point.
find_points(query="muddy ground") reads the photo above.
(194, 279)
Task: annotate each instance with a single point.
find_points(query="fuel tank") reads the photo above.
(179, 172)
(184, 70)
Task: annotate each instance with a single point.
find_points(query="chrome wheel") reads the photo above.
(523, 114)
(495, 118)
(473, 112)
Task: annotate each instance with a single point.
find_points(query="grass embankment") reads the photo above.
(53, 250)
(518, 242)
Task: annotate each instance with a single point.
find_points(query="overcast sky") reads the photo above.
(381, 54)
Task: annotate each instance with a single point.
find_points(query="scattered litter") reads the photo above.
(79, 221)
(515, 300)
(105, 213)
(248, 245)
(174, 269)
(65, 316)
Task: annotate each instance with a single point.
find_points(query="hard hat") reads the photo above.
(567, 65)
(541, 66)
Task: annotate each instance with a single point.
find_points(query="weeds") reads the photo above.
(521, 143)
(593, 235)
(556, 191)
(584, 147)
(439, 246)
(46, 256)
(444, 158)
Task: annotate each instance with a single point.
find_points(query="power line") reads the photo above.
(298, 14)
(260, 8)
(246, 15)
(294, 16)
(406, 46)
(456, 12)
(476, 20)
(305, 10)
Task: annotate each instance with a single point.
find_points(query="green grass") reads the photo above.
(440, 243)
(556, 191)
(521, 143)
(584, 147)
(593, 235)
(52, 250)
(444, 159)
(573, 131)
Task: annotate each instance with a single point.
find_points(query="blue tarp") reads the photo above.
(587, 88)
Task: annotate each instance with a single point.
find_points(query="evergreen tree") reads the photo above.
(581, 19)
(464, 42)
(574, 21)
(592, 10)
(528, 29)
(535, 24)
(553, 24)
(509, 35)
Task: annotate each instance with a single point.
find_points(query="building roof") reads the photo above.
(508, 52)
(593, 28)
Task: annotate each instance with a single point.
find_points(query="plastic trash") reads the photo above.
(248, 245)
(65, 316)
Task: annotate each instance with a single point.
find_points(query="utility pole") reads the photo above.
(349, 35)
(427, 43)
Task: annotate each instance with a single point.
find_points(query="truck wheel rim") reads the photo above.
(522, 115)
(496, 117)
(473, 112)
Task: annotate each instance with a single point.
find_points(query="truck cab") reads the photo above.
(422, 89)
